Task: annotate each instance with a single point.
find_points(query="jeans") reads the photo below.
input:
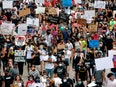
(50, 72)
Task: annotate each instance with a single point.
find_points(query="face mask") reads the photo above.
(41, 47)
(60, 64)
(100, 45)
(30, 79)
(79, 82)
(64, 80)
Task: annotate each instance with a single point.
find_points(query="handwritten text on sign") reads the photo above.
(20, 55)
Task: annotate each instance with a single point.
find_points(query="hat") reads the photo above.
(109, 75)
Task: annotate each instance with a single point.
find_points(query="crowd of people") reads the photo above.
(59, 46)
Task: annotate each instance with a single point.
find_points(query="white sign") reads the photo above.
(22, 29)
(104, 63)
(88, 14)
(78, 1)
(7, 4)
(20, 40)
(20, 55)
(39, 1)
(111, 53)
(6, 28)
(40, 10)
(100, 4)
(32, 21)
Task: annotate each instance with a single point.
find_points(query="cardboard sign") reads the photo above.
(14, 85)
(20, 55)
(7, 4)
(22, 29)
(52, 10)
(40, 10)
(99, 4)
(93, 43)
(20, 40)
(67, 3)
(92, 28)
(32, 22)
(54, 19)
(82, 21)
(24, 12)
(6, 28)
(104, 63)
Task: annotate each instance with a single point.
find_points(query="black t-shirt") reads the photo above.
(65, 84)
(8, 80)
(60, 70)
(109, 44)
(36, 60)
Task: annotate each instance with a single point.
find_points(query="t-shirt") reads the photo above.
(110, 83)
(8, 80)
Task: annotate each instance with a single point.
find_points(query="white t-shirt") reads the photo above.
(110, 83)
(37, 85)
(57, 81)
(69, 45)
(68, 54)
(29, 50)
(43, 53)
(49, 65)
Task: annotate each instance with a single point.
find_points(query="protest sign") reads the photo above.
(112, 56)
(63, 17)
(52, 10)
(7, 4)
(104, 63)
(53, 19)
(88, 15)
(66, 3)
(24, 12)
(78, 1)
(22, 29)
(20, 40)
(20, 55)
(82, 21)
(99, 4)
(6, 28)
(40, 10)
(32, 22)
(39, 1)
(93, 43)
(92, 28)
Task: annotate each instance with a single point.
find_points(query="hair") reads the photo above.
(19, 77)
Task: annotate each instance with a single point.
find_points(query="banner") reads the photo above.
(40, 10)
(24, 12)
(92, 28)
(93, 43)
(103, 63)
(99, 4)
(66, 3)
(22, 29)
(52, 10)
(20, 40)
(82, 21)
(32, 22)
(53, 19)
(6, 28)
(7, 4)
(20, 55)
